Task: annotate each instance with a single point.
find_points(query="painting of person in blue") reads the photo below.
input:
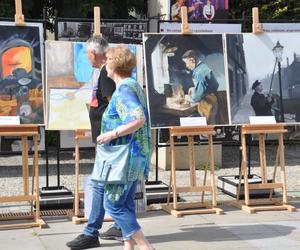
(204, 92)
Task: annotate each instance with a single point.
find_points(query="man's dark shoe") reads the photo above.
(83, 242)
(113, 233)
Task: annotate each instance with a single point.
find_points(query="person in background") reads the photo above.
(126, 120)
(103, 88)
(260, 103)
(209, 11)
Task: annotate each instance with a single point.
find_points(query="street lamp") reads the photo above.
(277, 51)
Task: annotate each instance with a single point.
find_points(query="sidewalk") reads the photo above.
(234, 230)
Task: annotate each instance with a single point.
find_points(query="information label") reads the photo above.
(193, 121)
(9, 120)
(262, 119)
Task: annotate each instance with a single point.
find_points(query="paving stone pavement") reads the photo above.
(234, 230)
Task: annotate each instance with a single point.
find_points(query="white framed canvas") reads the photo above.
(176, 89)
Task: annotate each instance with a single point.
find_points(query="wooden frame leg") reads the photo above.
(77, 159)
(192, 166)
(35, 169)
(169, 189)
(245, 171)
(241, 176)
(212, 171)
(262, 158)
(173, 169)
(25, 165)
(275, 171)
(205, 174)
(283, 174)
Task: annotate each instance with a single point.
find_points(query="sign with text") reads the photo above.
(281, 27)
(193, 121)
(174, 27)
(255, 120)
(9, 120)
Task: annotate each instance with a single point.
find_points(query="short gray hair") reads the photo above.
(97, 44)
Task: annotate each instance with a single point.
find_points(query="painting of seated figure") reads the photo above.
(185, 78)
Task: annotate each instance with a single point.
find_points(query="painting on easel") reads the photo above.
(21, 72)
(264, 83)
(185, 78)
(69, 87)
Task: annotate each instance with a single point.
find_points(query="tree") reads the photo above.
(268, 10)
(277, 9)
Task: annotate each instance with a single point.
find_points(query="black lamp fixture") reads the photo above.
(278, 51)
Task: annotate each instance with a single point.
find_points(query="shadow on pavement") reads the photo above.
(224, 233)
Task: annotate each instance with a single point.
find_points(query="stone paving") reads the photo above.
(11, 172)
(234, 230)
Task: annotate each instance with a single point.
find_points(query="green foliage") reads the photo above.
(277, 9)
(268, 10)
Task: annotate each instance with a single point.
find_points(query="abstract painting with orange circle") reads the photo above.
(21, 72)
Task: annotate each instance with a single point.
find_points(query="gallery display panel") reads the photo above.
(69, 86)
(270, 61)
(21, 72)
(174, 86)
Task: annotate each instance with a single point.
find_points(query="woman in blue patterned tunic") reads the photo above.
(126, 118)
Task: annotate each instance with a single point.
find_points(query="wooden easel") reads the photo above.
(78, 216)
(24, 131)
(262, 131)
(176, 208)
(83, 134)
(262, 204)
(180, 209)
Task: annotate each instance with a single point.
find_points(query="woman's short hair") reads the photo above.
(121, 60)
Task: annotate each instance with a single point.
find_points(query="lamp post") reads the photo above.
(277, 51)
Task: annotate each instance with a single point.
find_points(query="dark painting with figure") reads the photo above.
(264, 83)
(185, 78)
(21, 72)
